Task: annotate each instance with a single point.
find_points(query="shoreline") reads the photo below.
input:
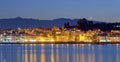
(59, 42)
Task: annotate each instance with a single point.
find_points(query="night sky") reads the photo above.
(102, 10)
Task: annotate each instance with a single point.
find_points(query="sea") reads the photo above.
(59, 53)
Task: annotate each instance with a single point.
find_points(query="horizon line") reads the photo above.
(60, 18)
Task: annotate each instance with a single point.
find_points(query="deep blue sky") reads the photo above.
(51, 9)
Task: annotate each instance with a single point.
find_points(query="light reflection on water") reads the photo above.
(59, 53)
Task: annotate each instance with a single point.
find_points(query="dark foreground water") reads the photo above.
(59, 53)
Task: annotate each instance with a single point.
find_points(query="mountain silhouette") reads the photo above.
(18, 22)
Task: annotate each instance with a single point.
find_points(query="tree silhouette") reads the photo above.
(83, 24)
(66, 25)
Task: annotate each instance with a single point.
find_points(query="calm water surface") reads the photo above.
(59, 53)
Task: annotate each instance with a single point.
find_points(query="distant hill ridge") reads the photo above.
(18, 22)
(13, 23)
